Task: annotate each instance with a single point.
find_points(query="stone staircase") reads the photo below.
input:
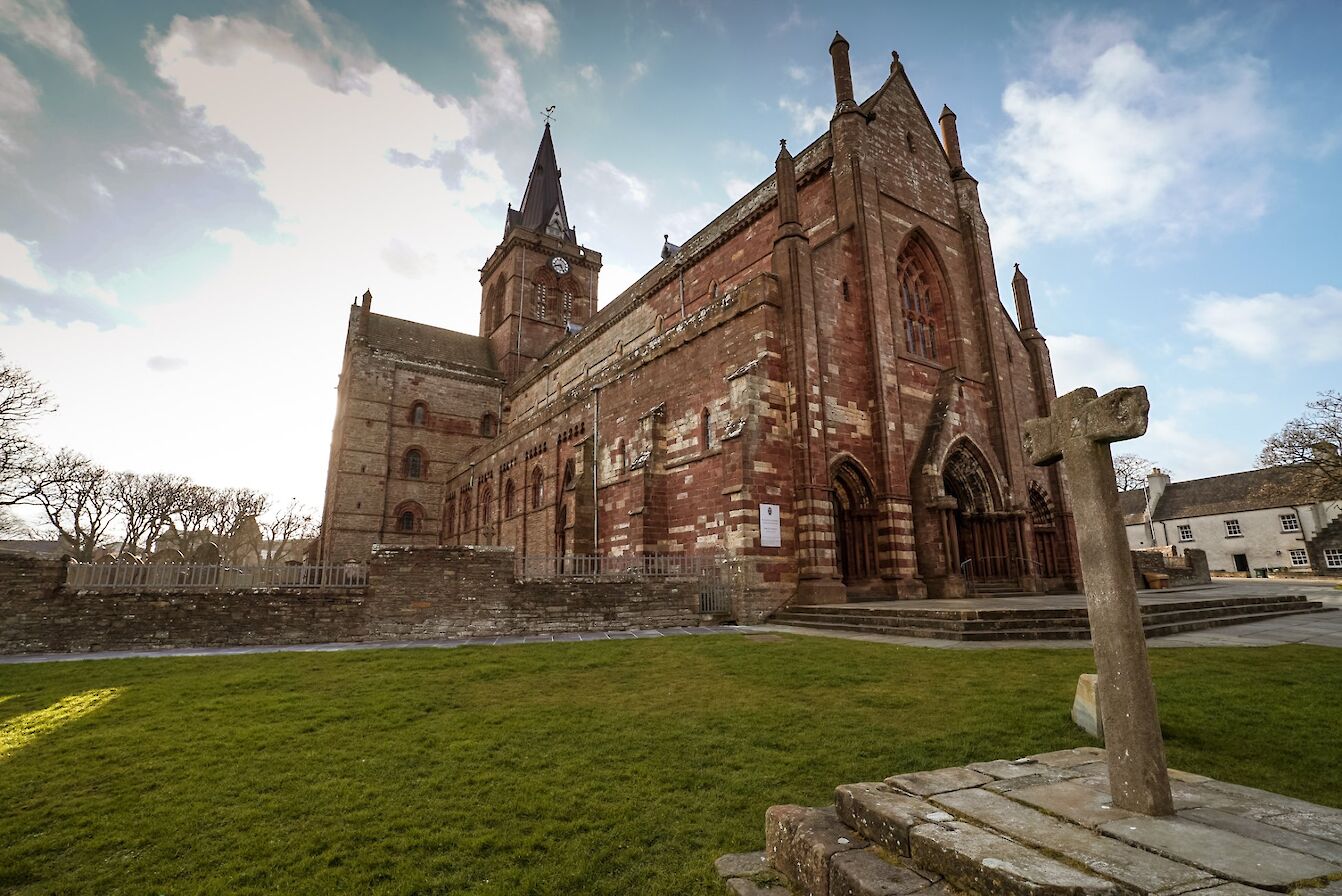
(1040, 826)
(1037, 623)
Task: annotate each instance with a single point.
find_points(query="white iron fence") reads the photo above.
(175, 576)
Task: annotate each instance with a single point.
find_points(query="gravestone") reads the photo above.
(1078, 431)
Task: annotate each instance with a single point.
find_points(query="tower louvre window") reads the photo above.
(568, 306)
(542, 309)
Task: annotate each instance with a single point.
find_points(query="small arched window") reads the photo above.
(465, 510)
(414, 464)
(537, 488)
(706, 429)
(489, 425)
(509, 499)
(408, 517)
(621, 457)
(419, 413)
(486, 504)
(407, 521)
(569, 471)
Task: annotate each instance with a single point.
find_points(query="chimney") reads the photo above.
(1156, 483)
(367, 303)
(950, 139)
(1324, 453)
(843, 74)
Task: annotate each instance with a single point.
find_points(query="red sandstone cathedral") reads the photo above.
(822, 383)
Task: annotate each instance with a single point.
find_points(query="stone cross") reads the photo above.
(1078, 432)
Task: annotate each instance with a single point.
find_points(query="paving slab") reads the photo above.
(741, 864)
(1266, 799)
(1077, 845)
(1226, 854)
(977, 861)
(1325, 827)
(744, 886)
(1043, 775)
(1069, 758)
(1007, 768)
(1233, 890)
(1081, 805)
(863, 872)
(938, 781)
(881, 814)
(1267, 833)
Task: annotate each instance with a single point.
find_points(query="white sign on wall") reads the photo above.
(771, 530)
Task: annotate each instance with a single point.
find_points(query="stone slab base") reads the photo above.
(1043, 825)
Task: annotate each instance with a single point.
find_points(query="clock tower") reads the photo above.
(539, 286)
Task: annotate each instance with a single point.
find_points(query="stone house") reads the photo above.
(1260, 519)
(821, 383)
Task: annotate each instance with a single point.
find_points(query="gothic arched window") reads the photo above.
(537, 487)
(569, 471)
(922, 299)
(486, 504)
(465, 510)
(408, 517)
(414, 464)
(509, 499)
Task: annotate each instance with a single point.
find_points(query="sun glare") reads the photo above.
(22, 730)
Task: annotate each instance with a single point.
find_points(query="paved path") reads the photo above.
(1319, 628)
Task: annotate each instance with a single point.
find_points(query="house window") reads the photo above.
(414, 464)
(509, 499)
(1185, 533)
(1289, 522)
(419, 413)
(1299, 557)
(1332, 558)
(537, 488)
(1233, 530)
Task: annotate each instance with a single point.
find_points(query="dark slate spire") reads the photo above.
(543, 203)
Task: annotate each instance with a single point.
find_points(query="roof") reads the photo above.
(32, 546)
(433, 344)
(1285, 486)
(542, 208)
(1132, 504)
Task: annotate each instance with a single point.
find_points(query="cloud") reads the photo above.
(788, 23)
(46, 24)
(165, 364)
(590, 75)
(1191, 456)
(1080, 360)
(605, 175)
(1271, 326)
(18, 102)
(736, 187)
(503, 96)
(529, 24)
(740, 151)
(637, 71)
(808, 120)
(162, 154)
(1113, 135)
(18, 263)
(799, 73)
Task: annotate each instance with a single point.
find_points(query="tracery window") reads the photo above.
(921, 299)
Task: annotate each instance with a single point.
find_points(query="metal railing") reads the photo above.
(623, 566)
(176, 576)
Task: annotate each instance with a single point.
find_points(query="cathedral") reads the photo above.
(821, 384)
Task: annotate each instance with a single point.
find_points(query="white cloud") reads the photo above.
(503, 96)
(18, 263)
(18, 102)
(605, 175)
(1190, 456)
(165, 363)
(46, 24)
(799, 73)
(163, 154)
(809, 120)
(590, 75)
(740, 151)
(1116, 136)
(1080, 360)
(1271, 326)
(637, 71)
(529, 24)
(736, 187)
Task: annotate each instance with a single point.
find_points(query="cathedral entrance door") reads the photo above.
(854, 524)
(983, 547)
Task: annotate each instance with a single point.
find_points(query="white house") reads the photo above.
(1258, 519)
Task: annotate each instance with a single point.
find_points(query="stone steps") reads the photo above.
(1033, 827)
(1038, 623)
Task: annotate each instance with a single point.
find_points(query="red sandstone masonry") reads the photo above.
(413, 593)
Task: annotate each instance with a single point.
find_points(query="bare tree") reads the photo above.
(75, 495)
(147, 503)
(287, 531)
(188, 522)
(22, 400)
(1130, 471)
(1311, 441)
(235, 522)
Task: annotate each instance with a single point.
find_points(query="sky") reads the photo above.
(192, 193)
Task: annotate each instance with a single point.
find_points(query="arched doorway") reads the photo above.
(978, 545)
(854, 523)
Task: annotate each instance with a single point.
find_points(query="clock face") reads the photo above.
(560, 265)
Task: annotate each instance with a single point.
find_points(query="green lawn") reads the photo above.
(613, 767)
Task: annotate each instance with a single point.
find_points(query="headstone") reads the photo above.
(1086, 706)
(1078, 431)
(207, 554)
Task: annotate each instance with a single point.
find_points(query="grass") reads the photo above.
(589, 768)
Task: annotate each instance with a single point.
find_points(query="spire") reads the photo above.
(950, 139)
(1020, 287)
(543, 203)
(785, 175)
(843, 75)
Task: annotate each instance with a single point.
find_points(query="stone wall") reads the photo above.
(412, 593)
(1186, 568)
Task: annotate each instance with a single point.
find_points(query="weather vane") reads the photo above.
(549, 114)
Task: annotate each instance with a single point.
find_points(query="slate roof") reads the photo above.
(1285, 486)
(433, 344)
(544, 197)
(32, 546)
